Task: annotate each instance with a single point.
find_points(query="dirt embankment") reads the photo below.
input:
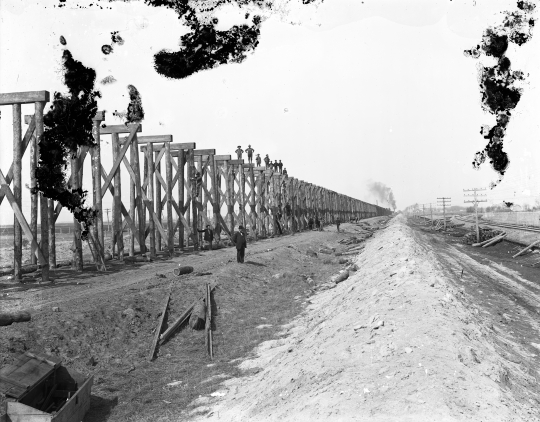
(104, 323)
(392, 343)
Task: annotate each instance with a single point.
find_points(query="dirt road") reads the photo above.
(407, 338)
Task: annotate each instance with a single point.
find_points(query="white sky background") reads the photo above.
(377, 90)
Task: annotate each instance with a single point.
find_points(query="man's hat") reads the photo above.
(240, 227)
(239, 146)
(208, 225)
(258, 155)
(249, 146)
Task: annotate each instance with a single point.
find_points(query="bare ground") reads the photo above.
(406, 338)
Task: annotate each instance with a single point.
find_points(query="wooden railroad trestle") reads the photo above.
(182, 189)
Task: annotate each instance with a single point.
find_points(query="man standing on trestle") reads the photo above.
(249, 151)
(239, 152)
(240, 241)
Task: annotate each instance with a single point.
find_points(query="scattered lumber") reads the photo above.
(198, 315)
(8, 318)
(526, 249)
(495, 240)
(488, 240)
(159, 327)
(180, 321)
(356, 248)
(208, 327)
(338, 278)
(186, 269)
(326, 251)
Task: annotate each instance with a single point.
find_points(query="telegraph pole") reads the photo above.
(444, 202)
(475, 201)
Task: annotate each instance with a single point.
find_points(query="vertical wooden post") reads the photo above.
(43, 204)
(203, 193)
(77, 256)
(145, 189)
(260, 203)
(52, 234)
(215, 191)
(189, 191)
(199, 221)
(230, 195)
(194, 192)
(33, 196)
(17, 190)
(118, 232)
(242, 199)
(253, 211)
(149, 170)
(132, 203)
(181, 165)
(168, 175)
(159, 208)
(96, 178)
(139, 205)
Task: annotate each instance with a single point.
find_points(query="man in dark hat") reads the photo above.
(280, 166)
(239, 239)
(258, 160)
(239, 152)
(267, 161)
(285, 173)
(208, 236)
(249, 151)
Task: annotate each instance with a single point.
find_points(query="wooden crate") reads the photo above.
(40, 389)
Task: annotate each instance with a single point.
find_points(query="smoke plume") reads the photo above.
(382, 193)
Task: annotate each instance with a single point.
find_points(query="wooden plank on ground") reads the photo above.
(158, 329)
(181, 320)
(526, 249)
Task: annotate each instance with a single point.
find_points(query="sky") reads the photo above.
(343, 92)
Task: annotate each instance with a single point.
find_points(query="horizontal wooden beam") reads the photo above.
(107, 130)
(222, 157)
(216, 157)
(259, 168)
(204, 152)
(152, 139)
(173, 146)
(236, 162)
(24, 97)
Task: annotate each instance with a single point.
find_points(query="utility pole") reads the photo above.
(444, 202)
(476, 201)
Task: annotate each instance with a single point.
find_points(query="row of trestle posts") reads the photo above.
(172, 187)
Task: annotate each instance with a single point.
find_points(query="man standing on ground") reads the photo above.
(239, 152)
(338, 222)
(208, 236)
(249, 151)
(258, 160)
(239, 240)
(317, 223)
